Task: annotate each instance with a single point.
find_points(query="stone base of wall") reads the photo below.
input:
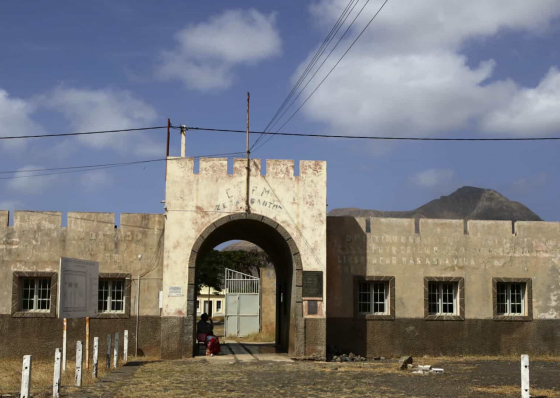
(41, 336)
(315, 337)
(417, 337)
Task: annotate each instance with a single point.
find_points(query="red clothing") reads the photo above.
(213, 346)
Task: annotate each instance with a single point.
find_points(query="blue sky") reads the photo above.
(423, 68)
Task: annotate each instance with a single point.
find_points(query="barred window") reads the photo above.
(511, 298)
(372, 297)
(110, 296)
(219, 306)
(442, 298)
(36, 294)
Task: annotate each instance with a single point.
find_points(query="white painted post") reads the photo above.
(108, 354)
(79, 362)
(125, 346)
(95, 356)
(116, 351)
(525, 376)
(56, 375)
(26, 377)
(64, 325)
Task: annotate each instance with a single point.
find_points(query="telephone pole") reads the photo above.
(247, 205)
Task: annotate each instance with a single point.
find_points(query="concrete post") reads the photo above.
(125, 346)
(26, 377)
(95, 356)
(525, 376)
(108, 354)
(116, 351)
(79, 363)
(57, 373)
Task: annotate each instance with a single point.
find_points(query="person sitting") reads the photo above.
(207, 328)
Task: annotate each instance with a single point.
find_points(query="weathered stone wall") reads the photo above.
(268, 300)
(195, 202)
(477, 252)
(36, 242)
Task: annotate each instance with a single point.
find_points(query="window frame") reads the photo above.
(110, 296)
(221, 305)
(459, 298)
(389, 282)
(17, 286)
(126, 295)
(527, 297)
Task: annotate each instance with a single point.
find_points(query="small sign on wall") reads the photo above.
(313, 284)
(175, 291)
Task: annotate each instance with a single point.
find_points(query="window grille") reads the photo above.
(511, 298)
(442, 298)
(219, 306)
(111, 296)
(36, 294)
(378, 291)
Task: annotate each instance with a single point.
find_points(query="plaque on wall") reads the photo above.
(312, 284)
(312, 307)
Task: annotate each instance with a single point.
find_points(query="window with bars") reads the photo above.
(35, 294)
(510, 298)
(111, 295)
(219, 306)
(373, 297)
(442, 298)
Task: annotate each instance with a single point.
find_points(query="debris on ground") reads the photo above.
(379, 358)
(427, 369)
(404, 362)
(336, 355)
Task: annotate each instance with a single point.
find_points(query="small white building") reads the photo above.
(210, 301)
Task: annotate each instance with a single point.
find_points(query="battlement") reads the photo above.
(274, 167)
(81, 221)
(455, 228)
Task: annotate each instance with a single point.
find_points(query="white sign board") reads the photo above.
(78, 284)
(175, 291)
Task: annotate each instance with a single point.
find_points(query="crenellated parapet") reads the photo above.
(81, 221)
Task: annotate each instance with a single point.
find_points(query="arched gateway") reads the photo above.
(286, 218)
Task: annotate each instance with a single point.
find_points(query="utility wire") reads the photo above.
(320, 66)
(328, 74)
(19, 137)
(77, 169)
(366, 137)
(334, 30)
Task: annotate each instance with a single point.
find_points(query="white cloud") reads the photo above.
(530, 109)
(105, 109)
(30, 185)
(207, 53)
(407, 76)
(16, 120)
(95, 179)
(433, 178)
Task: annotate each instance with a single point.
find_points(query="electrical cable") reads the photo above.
(18, 137)
(367, 137)
(328, 74)
(77, 169)
(334, 30)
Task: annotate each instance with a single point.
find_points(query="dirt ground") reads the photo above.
(470, 377)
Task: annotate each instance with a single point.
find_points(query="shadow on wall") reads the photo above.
(346, 259)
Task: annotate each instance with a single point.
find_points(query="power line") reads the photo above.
(77, 169)
(328, 74)
(366, 137)
(320, 66)
(19, 137)
(334, 30)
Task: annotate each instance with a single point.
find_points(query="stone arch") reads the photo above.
(277, 242)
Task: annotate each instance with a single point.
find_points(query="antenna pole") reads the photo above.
(247, 205)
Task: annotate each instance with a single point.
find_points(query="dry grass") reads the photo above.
(474, 358)
(512, 391)
(260, 337)
(42, 376)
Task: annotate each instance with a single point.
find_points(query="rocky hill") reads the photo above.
(469, 203)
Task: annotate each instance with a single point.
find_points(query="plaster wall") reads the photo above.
(37, 240)
(444, 248)
(195, 201)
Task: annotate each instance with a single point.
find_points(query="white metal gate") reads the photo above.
(242, 303)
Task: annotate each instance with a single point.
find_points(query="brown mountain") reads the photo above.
(465, 203)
